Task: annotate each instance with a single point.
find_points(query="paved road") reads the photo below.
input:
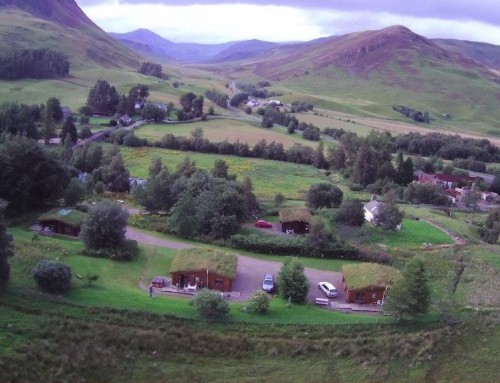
(250, 271)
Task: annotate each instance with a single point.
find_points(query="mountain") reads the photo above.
(359, 54)
(156, 47)
(63, 26)
(485, 54)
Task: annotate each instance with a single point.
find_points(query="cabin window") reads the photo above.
(219, 282)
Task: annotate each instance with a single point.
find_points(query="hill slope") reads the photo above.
(486, 54)
(63, 26)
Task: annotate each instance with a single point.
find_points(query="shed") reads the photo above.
(64, 221)
(368, 282)
(204, 268)
(296, 219)
(158, 282)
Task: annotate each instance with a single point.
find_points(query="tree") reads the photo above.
(74, 192)
(104, 226)
(220, 169)
(186, 101)
(491, 230)
(210, 305)
(53, 107)
(6, 248)
(350, 213)
(471, 199)
(251, 205)
(153, 112)
(292, 282)
(319, 160)
(52, 277)
(410, 296)
(69, 128)
(495, 185)
(324, 195)
(103, 98)
(182, 219)
(365, 166)
(389, 216)
(259, 302)
(48, 126)
(116, 176)
(30, 175)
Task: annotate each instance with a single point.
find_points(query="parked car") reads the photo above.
(329, 289)
(268, 284)
(263, 224)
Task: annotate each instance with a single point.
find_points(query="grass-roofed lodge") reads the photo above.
(64, 221)
(368, 282)
(204, 268)
(296, 220)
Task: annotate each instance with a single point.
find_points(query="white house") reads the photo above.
(372, 209)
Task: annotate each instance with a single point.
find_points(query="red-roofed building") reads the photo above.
(446, 181)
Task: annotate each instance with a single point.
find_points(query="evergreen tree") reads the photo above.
(69, 128)
(49, 127)
(319, 157)
(410, 296)
(365, 166)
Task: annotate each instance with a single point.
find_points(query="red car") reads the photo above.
(263, 224)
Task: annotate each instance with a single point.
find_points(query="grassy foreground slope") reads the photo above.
(114, 332)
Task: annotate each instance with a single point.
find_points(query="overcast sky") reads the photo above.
(216, 21)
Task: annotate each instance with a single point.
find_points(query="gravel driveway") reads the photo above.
(250, 271)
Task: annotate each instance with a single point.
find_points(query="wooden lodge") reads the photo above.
(63, 221)
(204, 268)
(295, 220)
(367, 282)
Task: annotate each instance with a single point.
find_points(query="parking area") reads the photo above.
(251, 271)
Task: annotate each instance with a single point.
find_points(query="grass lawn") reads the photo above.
(292, 180)
(223, 129)
(412, 234)
(118, 283)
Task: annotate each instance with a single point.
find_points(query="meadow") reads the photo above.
(219, 130)
(292, 180)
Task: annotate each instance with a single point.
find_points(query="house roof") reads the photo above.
(369, 275)
(70, 217)
(290, 214)
(454, 178)
(205, 259)
(374, 206)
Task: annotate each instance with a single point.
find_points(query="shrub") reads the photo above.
(52, 277)
(85, 132)
(355, 187)
(324, 195)
(210, 304)
(350, 213)
(292, 282)
(259, 302)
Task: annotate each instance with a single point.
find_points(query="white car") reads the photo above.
(329, 289)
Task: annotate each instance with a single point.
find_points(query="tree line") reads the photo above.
(151, 69)
(34, 63)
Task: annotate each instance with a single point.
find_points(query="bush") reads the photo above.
(324, 195)
(210, 304)
(85, 132)
(125, 252)
(334, 249)
(355, 187)
(52, 277)
(292, 282)
(259, 302)
(350, 213)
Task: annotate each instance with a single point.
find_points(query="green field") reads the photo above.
(413, 234)
(221, 130)
(292, 180)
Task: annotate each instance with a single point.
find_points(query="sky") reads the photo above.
(218, 21)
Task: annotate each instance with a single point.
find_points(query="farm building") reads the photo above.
(63, 221)
(367, 282)
(295, 220)
(204, 268)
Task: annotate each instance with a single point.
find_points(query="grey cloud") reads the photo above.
(485, 10)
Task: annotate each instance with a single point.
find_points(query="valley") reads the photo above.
(296, 158)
